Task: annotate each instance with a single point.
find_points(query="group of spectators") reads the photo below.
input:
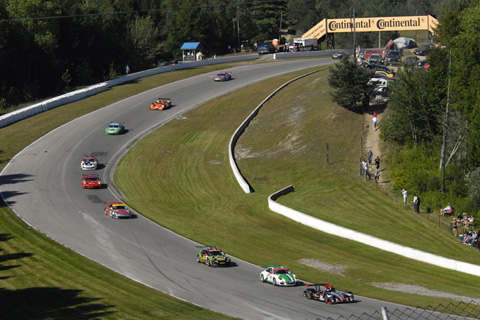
(364, 166)
(469, 236)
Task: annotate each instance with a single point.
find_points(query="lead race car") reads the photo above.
(212, 256)
(117, 210)
(277, 275)
(326, 292)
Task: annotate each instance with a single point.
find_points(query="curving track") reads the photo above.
(42, 185)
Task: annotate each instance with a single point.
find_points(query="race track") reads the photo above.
(42, 185)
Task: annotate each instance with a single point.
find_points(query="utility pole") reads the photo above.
(354, 38)
(280, 28)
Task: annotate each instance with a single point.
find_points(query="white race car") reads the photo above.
(277, 275)
(89, 163)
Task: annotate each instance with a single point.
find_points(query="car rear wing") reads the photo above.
(114, 202)
(165, 99)
(226, 72)
(206, 247)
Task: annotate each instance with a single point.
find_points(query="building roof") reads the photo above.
(191, 46)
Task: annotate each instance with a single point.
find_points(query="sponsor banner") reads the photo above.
(378, 24)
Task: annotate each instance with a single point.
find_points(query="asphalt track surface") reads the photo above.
(42, 184)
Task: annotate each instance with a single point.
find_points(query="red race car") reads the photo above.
(161, 104)
(91, 182)
(117, 210)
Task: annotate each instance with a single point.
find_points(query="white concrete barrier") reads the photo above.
(76, 95)
(236, 135)
(385, 245)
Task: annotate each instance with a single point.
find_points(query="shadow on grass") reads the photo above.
(45, 302)
(50, 303)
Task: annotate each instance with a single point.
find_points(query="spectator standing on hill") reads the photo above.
(404, 193)
(370, 154)
(455, 227)
(377, 163)
(416, 203)
(127, 69)
(365, 168)
(374, 119)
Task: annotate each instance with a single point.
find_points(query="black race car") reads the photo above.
(326, 292)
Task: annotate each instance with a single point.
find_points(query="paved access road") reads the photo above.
(42, 184)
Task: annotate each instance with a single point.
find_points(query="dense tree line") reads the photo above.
(49, 47)
(434, 116)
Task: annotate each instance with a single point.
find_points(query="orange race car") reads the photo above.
(161, 104)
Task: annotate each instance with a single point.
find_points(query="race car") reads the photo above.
(161, 104)
(277, 275)
(89, 163)
(91, 182)
(117, 210)
(326, 292)
(339, 55)
(115, 128)
(212, 256)
(223, 76)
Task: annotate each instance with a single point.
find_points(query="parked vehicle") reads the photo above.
(306, 44)
(394, 57)
(266, 47)
(375, 58)
(369, 52)
(424, 49)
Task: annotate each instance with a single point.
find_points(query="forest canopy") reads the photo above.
(50, 47)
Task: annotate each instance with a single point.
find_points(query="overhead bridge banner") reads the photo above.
(372, 25)
(378, 24)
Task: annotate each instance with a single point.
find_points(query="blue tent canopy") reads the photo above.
(191, 46)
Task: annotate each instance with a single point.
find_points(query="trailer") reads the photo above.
(305, 44)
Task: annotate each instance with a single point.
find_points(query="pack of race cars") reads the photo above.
(115, 210)
(211, 256)
(278, 276)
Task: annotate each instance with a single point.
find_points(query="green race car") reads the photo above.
(115, 128)
(212, 256)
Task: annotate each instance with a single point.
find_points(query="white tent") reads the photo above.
(405, 43)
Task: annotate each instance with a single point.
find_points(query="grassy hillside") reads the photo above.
(286, 145)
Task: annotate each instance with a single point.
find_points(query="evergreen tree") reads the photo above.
(351, 83)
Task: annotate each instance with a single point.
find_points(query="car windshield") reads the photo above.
(120, 207)
(220, 74)
(92, 179)
(282, 271)
(114, 125)
(215, 253)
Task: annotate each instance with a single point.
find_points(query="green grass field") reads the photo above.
(284, 145)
